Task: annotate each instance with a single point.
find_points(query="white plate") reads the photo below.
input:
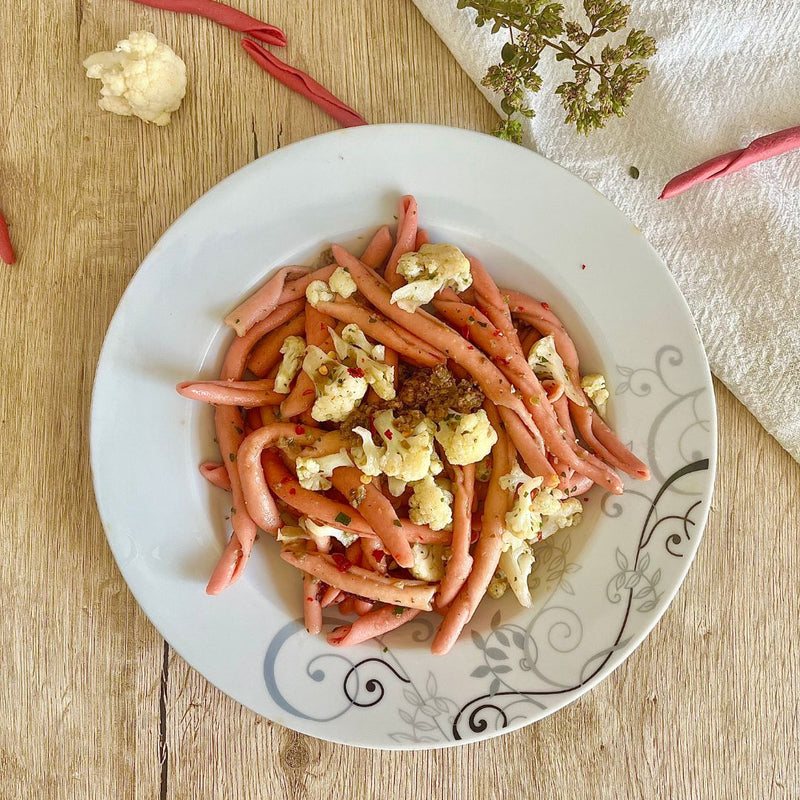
(598, 588)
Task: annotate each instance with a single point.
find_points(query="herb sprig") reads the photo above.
(602, 83)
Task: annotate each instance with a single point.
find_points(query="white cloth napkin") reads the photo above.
(725, 73)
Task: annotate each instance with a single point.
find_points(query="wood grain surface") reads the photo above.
(93, 703)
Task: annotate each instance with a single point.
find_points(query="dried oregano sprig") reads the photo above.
(602, 83)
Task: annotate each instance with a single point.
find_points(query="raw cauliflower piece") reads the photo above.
(314, 473)
(293, 350)
(595, 387)
(141, 77)
(428, 562)
(516, 563)
(338, 389)
(318, 292)
(427, 271)
(405, 457)
(547, 363)
(364, 361)
(431, 504)
(342, 283)
(466, 438)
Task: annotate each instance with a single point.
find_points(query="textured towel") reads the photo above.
(725, 73)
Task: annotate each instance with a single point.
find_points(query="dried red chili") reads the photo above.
(225, 15)
(6, 248)
(303, 84)
(342, 564)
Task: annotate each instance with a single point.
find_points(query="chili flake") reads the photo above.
(342, 564)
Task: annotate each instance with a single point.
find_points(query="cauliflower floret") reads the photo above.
(466, 438)
(595, 387)
(429, 270)
(431, 504)
(428, 562)
(396, 486)
(368, 455)
(538, 511)
(352, 334)
(361, 362)
(497, 585)
(318, 292)
(339, 390)
(313, 473)
(141, 77)
(342, 283)
(546, 363)
(405, 457)
(483, 469)
(570, 513)
(291, 533)
(516, 563)
(516, 478)
(345, 537)
(293, 350)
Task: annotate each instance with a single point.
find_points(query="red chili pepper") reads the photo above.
(299, 430)
(6, 248)
(774, 144)
(465, 331)
(308, 391)
(388, 434)
(356, 372)
(224, 15)
(303, 84)
(470, 347)
(292, 490)
(378, 554)
(545, 306)
(342, 564)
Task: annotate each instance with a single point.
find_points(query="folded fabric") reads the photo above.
(733, 245)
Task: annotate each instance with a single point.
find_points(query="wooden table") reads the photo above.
(93, 703)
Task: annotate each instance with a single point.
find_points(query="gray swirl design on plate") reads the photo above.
(510, 653)
(641, 382)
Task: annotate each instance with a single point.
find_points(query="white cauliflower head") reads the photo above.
(293, 350)
(342, 283)
(317, 530)
(431, 504)
(516, 563)
(595, 387)
(339, 389)
(547, 363)
(466, 438)
(537, 512)
(314, 472)
(367, 456)
(570, 513)
(407, 457)
(318, 292)
(428, 562)
(427, 271)
(141, 77)
(362, 358)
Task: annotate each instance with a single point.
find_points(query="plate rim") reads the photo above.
(150, 263)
